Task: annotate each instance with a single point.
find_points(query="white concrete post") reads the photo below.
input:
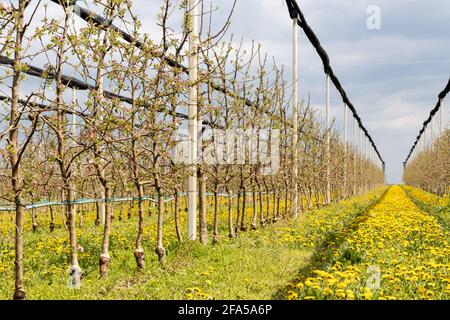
(327, 122)
(192, 115)
(295, 112)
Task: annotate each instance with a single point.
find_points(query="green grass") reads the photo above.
(432, 204)
(254, 265)
(325, 251)
(243, 268)
(393, 251)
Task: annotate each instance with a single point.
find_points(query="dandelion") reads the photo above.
(292, 295)
(367, 294)
(403, 242)
(309, 282)
(340, 294)
(300, 286)
(328, 291)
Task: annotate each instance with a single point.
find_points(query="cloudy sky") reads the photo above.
(392, 75)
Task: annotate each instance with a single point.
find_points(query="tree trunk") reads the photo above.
(75, 270)
(160, 250)
(149, 208)
(310, 199)
(238, 212)
(97, 211)
(19, 290)
(34, 220)
(130, 207)
(105, 258)
(177, 215)
(230, 214)
(244, 204)
(80, 216)
(216, 216)
(63, 213)
(120, 211)
(262, 220)
(139, 251)
(112, 204)
(202, 208)
(102, 206)
(278, 205)
(52, 219)
(255, 211)
(318, 198)
(16, 174)
(286, 203)
(274, 213)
